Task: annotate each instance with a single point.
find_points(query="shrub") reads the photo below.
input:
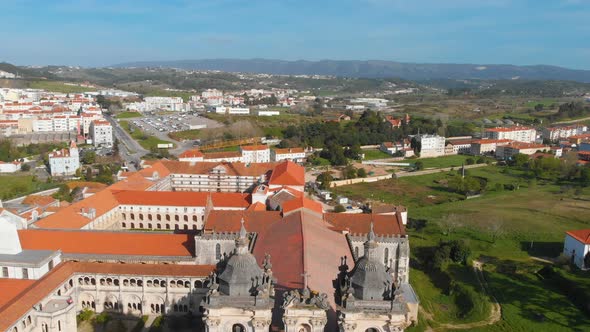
(84, 315)
(466, 299)
(140, 324)
(339, 208)
(102, 318)
(469, 161)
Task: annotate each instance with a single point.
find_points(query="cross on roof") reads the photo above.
(305, 276)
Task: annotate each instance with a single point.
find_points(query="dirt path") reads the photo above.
(573, 121)
(495, 313)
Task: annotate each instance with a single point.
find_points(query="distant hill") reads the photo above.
(375, 69)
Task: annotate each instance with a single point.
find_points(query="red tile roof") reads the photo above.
(180, 198)
(10, 288)
(582, 235)
(288, 173)
(38, 200)
(235, 168)
(289, 150)
(491, 141)
(360, 223)
(194, 153)
(108, 243)
(254, 147)
(257, 207)
(302, 203)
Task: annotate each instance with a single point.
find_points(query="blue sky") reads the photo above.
(105, 32)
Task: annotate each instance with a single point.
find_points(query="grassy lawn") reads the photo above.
(146, 141)
(54, 86)
(445, 161)
(545, 102)
(375, 154)
(127, 115)
(185, 134)
(19, 185)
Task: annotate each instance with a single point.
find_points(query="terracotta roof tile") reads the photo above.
(359, 223)
(288, 173)
(582, 235)
(302, 203)
(107, 243)
(181, 198)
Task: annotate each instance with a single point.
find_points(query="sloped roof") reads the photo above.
(108, 243)
(300, 203)
(193, 153)
(235, 168)
(582, 235)
(360, 223)
(288, 173)
(181, 198)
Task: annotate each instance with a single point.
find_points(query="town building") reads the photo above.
(460, 145)
(255, 154)
(10, 167)
(431, 145)
(293, 154)
(519, 134)
(513, 148)
(101, 133)
(577, 247)
(64, 162)
(557, 133)
(487, 146)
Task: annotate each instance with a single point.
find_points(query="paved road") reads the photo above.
(129, 149)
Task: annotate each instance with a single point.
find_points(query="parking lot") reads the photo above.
(160, 125)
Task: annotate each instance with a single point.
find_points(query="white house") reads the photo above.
(293, 154)
(519, 134)
(9, 167)
(101, 133)
(64, 162)
(431, 145)
(255, 154)
(577, 246)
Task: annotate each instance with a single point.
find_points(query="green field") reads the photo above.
(185, 134)
(503, 229)
(54, 86)
(545, 102)
(19, 185)
(375, 154)
(444, 161)
(128, 115)
(146, 141)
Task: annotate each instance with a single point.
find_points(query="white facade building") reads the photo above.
(101, 133)
(64, 162)
(431, 145)
(577, 246)
(255, 154)
(9, 167)
(562, 132)
(293, 154)
(519, 134)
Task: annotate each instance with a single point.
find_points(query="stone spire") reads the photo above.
(369, 278)
(242, 241)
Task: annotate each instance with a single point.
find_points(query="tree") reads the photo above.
(362, 173)
(89, 157)
(349, 172)
(353, 152)
(419, 165)
(339, 208)
(25, 167)
(469, 161)
(325, 180)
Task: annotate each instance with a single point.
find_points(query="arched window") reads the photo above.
(124, 216)
(185, 227)
(123, 225)
(167, 217)
(150, 225)
(238, 328)
(59, 325)
(149, 217)
(141, 216)
(132, 225)
(185, 218)
(356, 252)
(372, 329)
(159, 226)
(141, 225)
(194, 218)
(177, 218)
(218, 251)
(159, 217)
(386, 256)
(132, 216)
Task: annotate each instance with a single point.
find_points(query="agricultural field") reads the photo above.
(445, 161)
(55, 86)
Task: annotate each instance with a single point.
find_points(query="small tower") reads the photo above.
(73, 149)
(370, 298)
(241, 298)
